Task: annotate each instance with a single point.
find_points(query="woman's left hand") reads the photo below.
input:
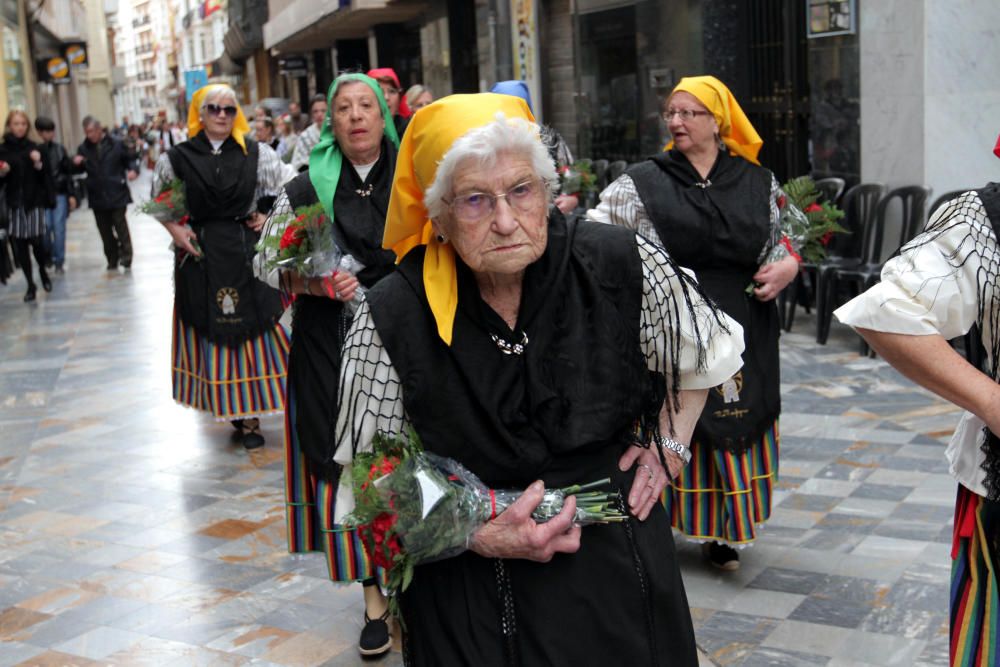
(772, 278)
(567, 203)
(650, 479)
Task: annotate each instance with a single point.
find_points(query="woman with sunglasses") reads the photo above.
(229, 352)
(707, 200)
(350, 172)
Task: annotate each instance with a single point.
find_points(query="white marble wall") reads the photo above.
(962, 86)
(891, 41)
(930, 92)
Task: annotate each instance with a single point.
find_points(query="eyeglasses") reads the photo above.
(215, 110)
(685, 114)
(476, 206)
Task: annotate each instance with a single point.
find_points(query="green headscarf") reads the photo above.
(326, 158)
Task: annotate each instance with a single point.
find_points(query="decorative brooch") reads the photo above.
(366, 192)
(511, 348)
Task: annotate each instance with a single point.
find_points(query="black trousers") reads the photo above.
(113, 227)
(22, 253)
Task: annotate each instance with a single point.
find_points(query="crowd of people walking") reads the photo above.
(537, 344)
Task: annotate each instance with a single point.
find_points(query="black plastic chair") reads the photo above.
(861, 276)
(601, 174)
(616, 169)
(802, 290)
(830, 189)
(847, 250)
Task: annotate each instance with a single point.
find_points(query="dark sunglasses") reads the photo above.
(215, 110)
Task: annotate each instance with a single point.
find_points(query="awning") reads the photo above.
(225, 65)
(307, 25)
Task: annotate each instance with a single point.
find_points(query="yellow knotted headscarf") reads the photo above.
(735, 128)
(240, 125)
(430, 134)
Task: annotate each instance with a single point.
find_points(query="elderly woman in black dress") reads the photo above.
(530, 349)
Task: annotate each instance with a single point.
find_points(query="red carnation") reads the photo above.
(291, 237)
(825, 239)
(813, 207)
(782, 200)
(162, 197)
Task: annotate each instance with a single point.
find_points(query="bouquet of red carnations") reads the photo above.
(413, 506)
(169, 205)
(812, 222)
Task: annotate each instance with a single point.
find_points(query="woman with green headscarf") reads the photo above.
(350, 174)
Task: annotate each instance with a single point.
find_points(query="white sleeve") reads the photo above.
(163, 173)
(932, 287)
(710, 349)
(272, 173)
(273, 227)
(370, 399)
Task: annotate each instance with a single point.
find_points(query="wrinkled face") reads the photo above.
(357, 120)
(47, 135)
(317, 112)
(696, 134)
(93, 132)
(392, 94)
(509, 239)
(218, 114)
(423, 100)
(18, 126)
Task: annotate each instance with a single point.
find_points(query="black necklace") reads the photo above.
(511, 348)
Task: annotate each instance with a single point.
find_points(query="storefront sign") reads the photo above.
(76, 55)
(524, 30)
(831, 17)
(54, 70)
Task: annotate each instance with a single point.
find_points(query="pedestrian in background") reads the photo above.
(61, 169)
(418, 96)
(310, 136)
(285, 129)
(109, 167)
(28, 188)
(388, 80)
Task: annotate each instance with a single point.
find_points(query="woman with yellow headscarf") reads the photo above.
(534, 350)
(229, 352)
(710, 204)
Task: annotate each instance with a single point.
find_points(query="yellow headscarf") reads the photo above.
(735, 129)
(428, 137)
(240, 126)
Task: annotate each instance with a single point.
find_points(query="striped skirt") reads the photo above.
(26, 224)
(309, 505)
(975, 592)
(724, 497)
(231, 382)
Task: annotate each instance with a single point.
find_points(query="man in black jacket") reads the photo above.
(61, 169)
(109, 167)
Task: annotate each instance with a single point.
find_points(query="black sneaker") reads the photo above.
(721, 556)
(252, 438)
(375, 637)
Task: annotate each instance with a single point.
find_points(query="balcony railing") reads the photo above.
(141, 21)
(144, 48)
(146, 76)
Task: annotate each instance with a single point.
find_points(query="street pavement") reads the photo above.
(133, 531)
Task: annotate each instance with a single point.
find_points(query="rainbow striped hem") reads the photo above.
(975, 600)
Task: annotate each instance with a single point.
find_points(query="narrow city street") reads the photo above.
(133, 531)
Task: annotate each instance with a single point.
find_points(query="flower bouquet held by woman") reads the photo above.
(170, 205)
(812, 222)
(414, 506)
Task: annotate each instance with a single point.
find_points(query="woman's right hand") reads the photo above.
(514, 534)
(183, 237)
(340, 286)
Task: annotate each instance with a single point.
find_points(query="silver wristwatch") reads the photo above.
(677, 448)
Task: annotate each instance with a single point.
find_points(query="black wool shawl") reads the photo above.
(571, 397)
(218, 186)
(718, 228)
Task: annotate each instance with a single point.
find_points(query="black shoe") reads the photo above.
(252, 439)
(721, 556)
(112, 267)
(46, 282)
(375, 637)
(60, 270)
(127, 263)
(30, 294)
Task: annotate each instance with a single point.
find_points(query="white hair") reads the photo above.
(221, 92)
(484, 145)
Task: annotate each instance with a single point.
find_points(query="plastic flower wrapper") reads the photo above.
(306, 244)
(169, 205)
(414, 507)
